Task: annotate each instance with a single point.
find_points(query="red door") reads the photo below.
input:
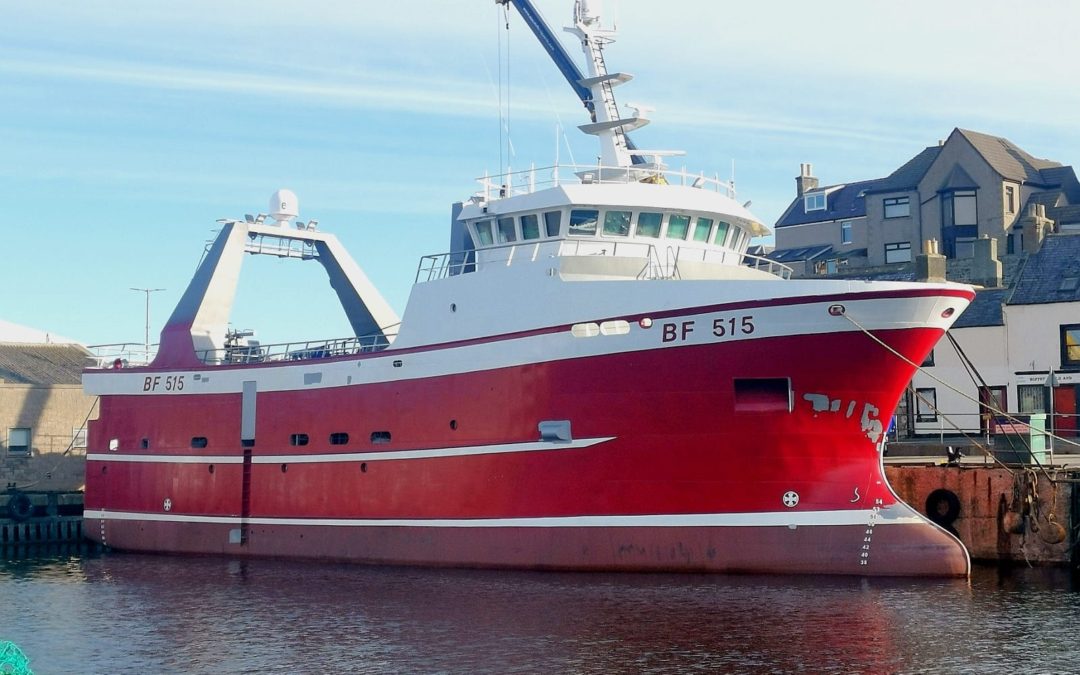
(1065, 410)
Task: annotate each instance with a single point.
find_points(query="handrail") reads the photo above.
(525, 181)
(106, 356)
(442, 265)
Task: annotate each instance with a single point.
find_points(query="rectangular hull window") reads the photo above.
(763, 395)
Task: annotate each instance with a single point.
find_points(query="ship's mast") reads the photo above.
(609, 127)
(595, 90)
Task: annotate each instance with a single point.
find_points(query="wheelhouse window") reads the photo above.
(617, 223)
(507, 233)
(702, 228)
(815, 201)
(552, 222)
(1070, 345)
(648, 224)
(18, 440)
(845, 232)
(530, 226)
(677, 226)
(483, 233)
(702, 224)
(583, 222)
(721, 233)
(926, 405)
(898, 252)
(897, 207)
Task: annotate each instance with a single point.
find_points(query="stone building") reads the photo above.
(43, 414)
(968, 187)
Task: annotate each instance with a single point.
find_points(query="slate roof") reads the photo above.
(42, 364)
(984, 310)
(1065, 177)
(1043, 279)
(907, 177)
(1064, 214)
(786, 255)
(1008, 159)
(845, 202)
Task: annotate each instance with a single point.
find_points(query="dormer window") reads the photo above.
(815, 201)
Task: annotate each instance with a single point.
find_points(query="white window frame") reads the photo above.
(846, 227)
(896, 203)
(20, 448)
(926, 404)
(816, 201)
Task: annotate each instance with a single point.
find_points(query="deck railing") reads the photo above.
(659, 262)
(293, 351)
(530, 180)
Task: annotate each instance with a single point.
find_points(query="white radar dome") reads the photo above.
(284, 206)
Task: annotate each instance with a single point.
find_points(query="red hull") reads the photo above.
(667, 438)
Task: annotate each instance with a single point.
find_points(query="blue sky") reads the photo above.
(127, 128)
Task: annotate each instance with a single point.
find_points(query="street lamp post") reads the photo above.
(146, 336)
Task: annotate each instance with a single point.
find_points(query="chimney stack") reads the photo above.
(986, 270)
(806, 181)
(1036, 226)
(930, 265)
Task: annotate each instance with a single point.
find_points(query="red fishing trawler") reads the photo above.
(597, 376)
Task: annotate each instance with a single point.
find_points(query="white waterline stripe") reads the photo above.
(465, 451)
(774, 519)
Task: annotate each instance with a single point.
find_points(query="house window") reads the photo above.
(18, 440)
(897, 207)
(1031, 398)
(928, 362)
(1070, 345)
(815, 202)
(926, 405)
(78, 437)
(965, 247)
(958, 208)
(898, 252)
(1010, 199)
(845, 232)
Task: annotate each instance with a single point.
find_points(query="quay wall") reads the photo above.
(1014, 514)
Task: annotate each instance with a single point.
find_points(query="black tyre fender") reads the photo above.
(942, 507)
(19, 507)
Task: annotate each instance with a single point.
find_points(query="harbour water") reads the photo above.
(127, 613)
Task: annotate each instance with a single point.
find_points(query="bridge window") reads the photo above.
(677, 226)
(552, 222)
(701, 230)
(530, 226)
(583, 222)
(483, 233)
(721, 233)
(617, 223)
(648, 224)
(507, 233)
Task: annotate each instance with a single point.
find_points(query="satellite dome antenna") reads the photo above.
(284, 206)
